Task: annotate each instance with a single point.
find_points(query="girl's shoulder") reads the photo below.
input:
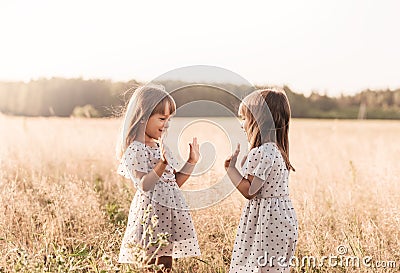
(140, 149)
(136, 146)
(267, 149)
(266, 152)
(134, 159)
(259, 160)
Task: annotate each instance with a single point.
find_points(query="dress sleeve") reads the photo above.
(134, 159)
(258, 164)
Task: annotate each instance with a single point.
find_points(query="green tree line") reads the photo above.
(105, 98)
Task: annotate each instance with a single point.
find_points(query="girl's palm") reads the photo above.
(163, 151)
(194, 153)
(231, 160)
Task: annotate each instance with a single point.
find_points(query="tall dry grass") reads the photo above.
(64, 209)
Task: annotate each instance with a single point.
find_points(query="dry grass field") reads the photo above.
(63, 208)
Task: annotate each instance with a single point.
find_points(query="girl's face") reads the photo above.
(244, 123)
(158, 124)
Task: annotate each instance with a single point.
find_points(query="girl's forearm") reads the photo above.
(241, 183)
(184, 173)
(148, 181)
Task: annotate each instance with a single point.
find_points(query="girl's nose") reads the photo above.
(166, 125)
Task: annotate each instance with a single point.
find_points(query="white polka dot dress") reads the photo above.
(167, 202)
(268, 225)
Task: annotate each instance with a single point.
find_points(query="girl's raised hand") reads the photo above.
(231, 160)
(163, 151)
(194, 153)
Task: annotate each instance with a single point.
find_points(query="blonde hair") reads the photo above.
(146, 101)
(268, 113)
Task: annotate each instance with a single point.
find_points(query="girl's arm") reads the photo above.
(188, 168)
(241, 183)
(148, 180)
(184, 173)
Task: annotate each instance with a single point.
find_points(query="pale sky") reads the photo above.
(325, 46)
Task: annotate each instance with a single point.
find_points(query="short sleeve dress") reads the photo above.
(167, 203)
(268, 225)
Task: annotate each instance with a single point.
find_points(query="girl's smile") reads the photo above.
(157, 125)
